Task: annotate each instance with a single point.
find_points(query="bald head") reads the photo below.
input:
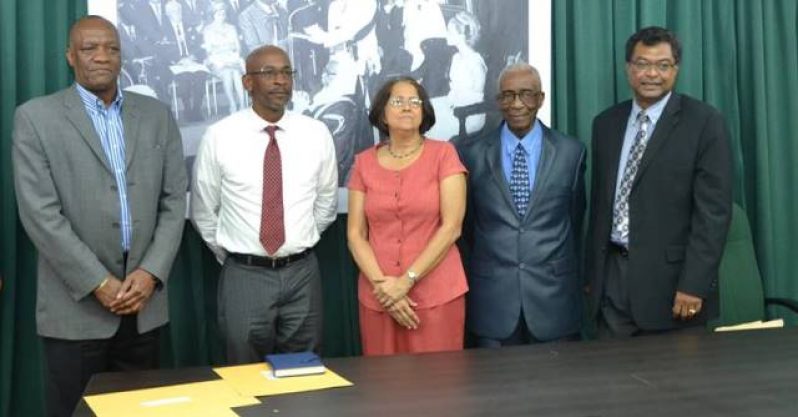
(256, 58)
(94, 55)
(89, 21)
(269, 80)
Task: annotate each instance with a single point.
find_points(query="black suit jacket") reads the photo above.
(528, 263)
(679, 209)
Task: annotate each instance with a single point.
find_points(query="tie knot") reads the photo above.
(270, 130)
(642, 117)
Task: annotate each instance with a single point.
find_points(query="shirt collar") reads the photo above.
(653, 111)
(510, 140)
(259, 124)
(91, 101)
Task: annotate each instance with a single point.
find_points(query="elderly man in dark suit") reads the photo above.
(526, 200)
(661, 199)
(100, 183)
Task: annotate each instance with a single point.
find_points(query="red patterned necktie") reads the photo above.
(272, 228)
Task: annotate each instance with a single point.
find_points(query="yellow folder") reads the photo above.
(256, 380)
(200, 399)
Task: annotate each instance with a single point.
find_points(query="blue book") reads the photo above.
(294, 364)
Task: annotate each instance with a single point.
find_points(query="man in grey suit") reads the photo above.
(526, 200)
(100, 182)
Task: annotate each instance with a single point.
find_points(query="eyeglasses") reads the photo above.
(661, 67)
(271, 73)
(528, 97)
(401, 102)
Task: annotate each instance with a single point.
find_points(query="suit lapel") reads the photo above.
(494, 160)
(614, 144)
(76, 113)
(130, 122)
(547, 154)
(665, 125)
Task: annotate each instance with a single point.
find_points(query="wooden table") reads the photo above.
(679, 374)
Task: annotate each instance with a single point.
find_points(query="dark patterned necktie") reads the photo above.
(620, 211)
(272, 227)
(519, 181)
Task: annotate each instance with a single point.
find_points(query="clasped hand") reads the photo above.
(390, 289)
(128, 296)
(391, 292)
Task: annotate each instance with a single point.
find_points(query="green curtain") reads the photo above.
(738, 55)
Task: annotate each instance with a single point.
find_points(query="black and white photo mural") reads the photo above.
(190, 54)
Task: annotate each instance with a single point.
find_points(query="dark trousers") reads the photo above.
(264, 310)
(70, 363)
(520, 336)
(615, 314)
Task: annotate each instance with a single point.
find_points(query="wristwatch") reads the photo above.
(412, 276)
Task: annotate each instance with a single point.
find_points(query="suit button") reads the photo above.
(115, 225)
(114, 187)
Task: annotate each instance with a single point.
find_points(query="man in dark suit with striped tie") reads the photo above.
(661, 199)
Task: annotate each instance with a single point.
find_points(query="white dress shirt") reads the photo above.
(227, 187)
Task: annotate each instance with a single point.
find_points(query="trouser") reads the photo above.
(71, 363)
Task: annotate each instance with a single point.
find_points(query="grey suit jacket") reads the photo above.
(69, 207)
(528, 262)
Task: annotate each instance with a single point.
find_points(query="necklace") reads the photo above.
(406, 154)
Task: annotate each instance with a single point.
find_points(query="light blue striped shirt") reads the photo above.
(107, 123)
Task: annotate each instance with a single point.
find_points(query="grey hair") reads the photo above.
(519, 66)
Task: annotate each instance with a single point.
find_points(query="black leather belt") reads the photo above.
(268, 262)
(616, 248)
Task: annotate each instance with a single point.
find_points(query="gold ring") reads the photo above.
(691, 311)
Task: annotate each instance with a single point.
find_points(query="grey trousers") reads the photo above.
(263, 310)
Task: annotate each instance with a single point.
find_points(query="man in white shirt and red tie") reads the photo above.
(264, 189)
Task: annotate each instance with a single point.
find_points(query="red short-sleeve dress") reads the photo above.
(402, 209)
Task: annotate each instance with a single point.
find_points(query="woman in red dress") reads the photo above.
(406, 207)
